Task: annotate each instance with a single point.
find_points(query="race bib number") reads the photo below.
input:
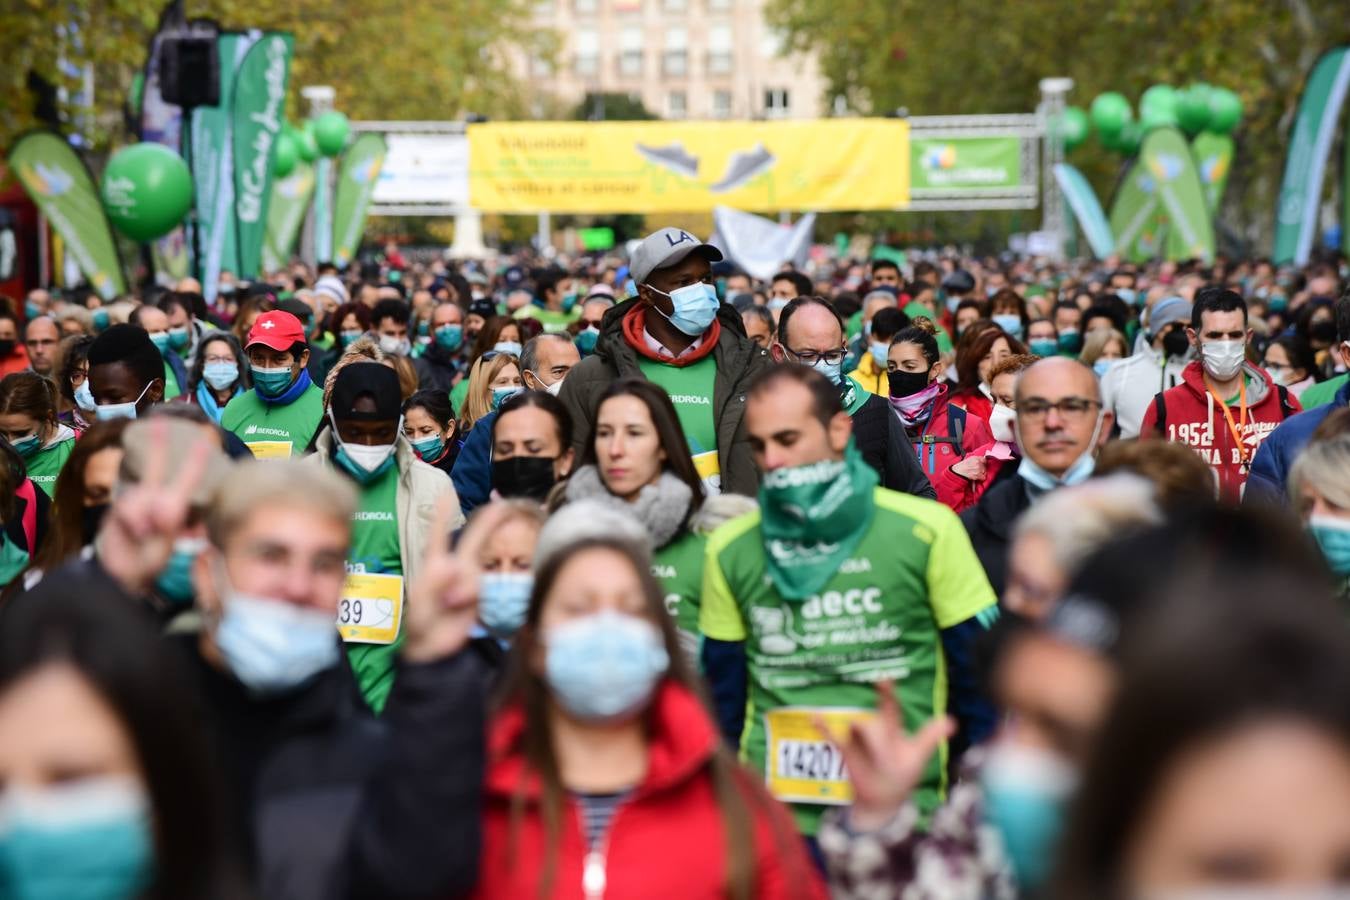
(270, 449)
(709, 471)
(371, 609)
(801, 765)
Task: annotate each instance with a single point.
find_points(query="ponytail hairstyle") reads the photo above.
(29, 394)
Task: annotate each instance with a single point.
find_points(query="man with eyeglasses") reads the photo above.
(1060, 425)
(810, 332)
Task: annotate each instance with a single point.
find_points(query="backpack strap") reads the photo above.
(956, 424)
(25, 493)
(1160, 414)
(1286, 408)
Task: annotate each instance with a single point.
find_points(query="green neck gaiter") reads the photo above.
(814, 517)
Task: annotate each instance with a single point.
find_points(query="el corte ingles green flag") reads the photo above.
(259, 115)
(286, 213)
(355, 183)
(59, 184)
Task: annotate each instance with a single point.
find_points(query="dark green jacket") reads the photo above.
(738, 362)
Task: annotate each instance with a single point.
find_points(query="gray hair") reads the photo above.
(1324, 467)
(759, 312)
(529, 355)
(586, 520)
(1077, 521)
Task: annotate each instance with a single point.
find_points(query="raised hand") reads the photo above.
(443, 600)
(972, 468)
(137, 535)
(884, 763)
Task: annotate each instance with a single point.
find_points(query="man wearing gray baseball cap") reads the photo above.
(679, 335)
(1161, 353)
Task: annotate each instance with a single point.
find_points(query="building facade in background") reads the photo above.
(684, 59)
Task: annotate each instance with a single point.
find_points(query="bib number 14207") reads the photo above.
(802, 766)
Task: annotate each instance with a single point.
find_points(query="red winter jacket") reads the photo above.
(936, 456)
(666, 839)
(1194, 419)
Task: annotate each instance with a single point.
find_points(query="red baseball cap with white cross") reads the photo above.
(278, 330)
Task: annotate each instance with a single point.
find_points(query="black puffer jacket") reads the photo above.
(882, 442)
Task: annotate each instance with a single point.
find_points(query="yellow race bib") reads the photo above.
(801, 766)
(371, 609)
(270, 449)
(709, 471)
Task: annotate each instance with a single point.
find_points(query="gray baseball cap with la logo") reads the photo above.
(665, 248)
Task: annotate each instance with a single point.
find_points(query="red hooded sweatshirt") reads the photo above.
(666, 839)
(1195, 418)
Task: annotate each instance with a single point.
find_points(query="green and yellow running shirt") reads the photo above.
(370, 613)
(691, 390)
(880, 616)
(275, 430)
(46, 464)
(678, 566)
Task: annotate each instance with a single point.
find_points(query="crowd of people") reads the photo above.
(635, 577)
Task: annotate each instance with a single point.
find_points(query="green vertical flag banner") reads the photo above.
(1190, 227)
(1134, 215)
(286, 213)
(351, 198)
(1214, 155)
(1309, 146)
(1086, 209)
(323, 209)
(1345, 195)
(60, 185)
(213, 170)
(259, 107)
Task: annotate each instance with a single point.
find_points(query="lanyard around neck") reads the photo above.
(1235, 429)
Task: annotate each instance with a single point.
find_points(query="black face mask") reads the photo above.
(524, 476)
(1175, 343)
(6, 347)
(1323, 331)
(905, 384)
(91, 520)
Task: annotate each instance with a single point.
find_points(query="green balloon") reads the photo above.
(146, 190)
(1225, 110)
(1193, 108)
(1158, 107)
(1109, 112)
(330, 132)
(1073, 127)
(304, 142)
(284, 155)
(1129, 139)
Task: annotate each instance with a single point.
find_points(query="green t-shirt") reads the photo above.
(1323, 393)
(551, 320)
(275, 431)
(914, 574)
(375, 551)
(691, 390)
(457, 395)
(171, 386)
(678, 566)
(46, 464)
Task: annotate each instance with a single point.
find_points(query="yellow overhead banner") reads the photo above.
(646, 167)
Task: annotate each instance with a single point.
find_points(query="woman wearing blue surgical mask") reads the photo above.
(348, 323)
(28, 422)
(108, 792)
(506, 577)
(75, 401)
(492, 380)
(218, 374)
(1008, 311)
(1102, 349)
(626, 782)
(1319, 488)
(429, 425)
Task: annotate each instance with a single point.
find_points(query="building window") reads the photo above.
(676, 58)
(677, 105)
(586, 50)
(721, 104)
(771, 43)
(630, 50)
(776, 103)
(720, 50)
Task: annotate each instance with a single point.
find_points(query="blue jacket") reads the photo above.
(472, 473)
(1266, 483)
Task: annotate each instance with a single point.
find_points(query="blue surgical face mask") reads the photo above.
(1070, 341)
(31, 310)
(175, 581)
(450, 337)
(1126, 294)
(84, 398)
(1043, 346)
(1078, 472)
(119, 410)
(364, 462)
(502, 394)
(91, 839)
(952, 304)
(100, 319)
(429, 448)
(694, 307)
(179, 338)
(586, 339)
(28, 446)
(1010, 323)
(1025, 794)
(272, 382)
(161, 341)
(1333, 536)
(272, 646)
(833, 371)
(350, 337)
(879, 349)
(777, 303)
(423, 328)
(503, 599)
(510, 348)
(1102, 366)
(604, 666)
(220, 375)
